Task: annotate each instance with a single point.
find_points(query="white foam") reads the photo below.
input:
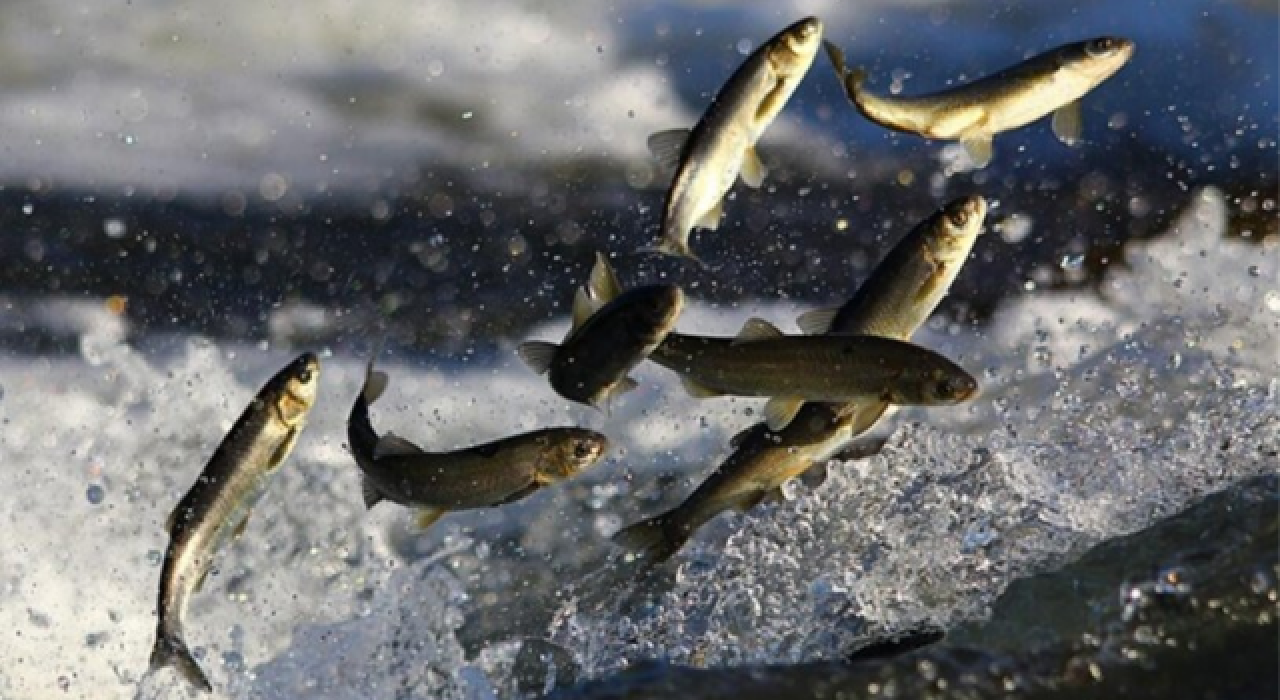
(1098, 416)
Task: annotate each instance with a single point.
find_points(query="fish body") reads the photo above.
(762, 460)
(908, 284)
(901, 293)
(481, 476)
(708, 159)
(973, 113)
(764, 362)
(613, 331)
(217, 506)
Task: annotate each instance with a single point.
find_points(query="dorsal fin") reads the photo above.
(538, 354)
(584, 307)
(603, 286)
(391, 445)
(666, 146)
(756, 329)
(818, 321)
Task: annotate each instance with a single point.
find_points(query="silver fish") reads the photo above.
(613, 331)
(975, 112)
(903, 290)
(761, 361)
(436, 483)
(217, 507)
(708, 159)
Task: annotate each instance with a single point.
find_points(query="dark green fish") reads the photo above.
(217, 507)
(482, 476)
(613, 331)
(901, 293)
(761, 361)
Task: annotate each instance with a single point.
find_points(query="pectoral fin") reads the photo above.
(240, 528)
(426, 517)
(283, 450)
(537, 354)
(370, 493)
(666, 146)
(979, 149)
(711, 219)
(752, 171)
(1067, 125)
(818, 321)
(623, 386)
(780, 410)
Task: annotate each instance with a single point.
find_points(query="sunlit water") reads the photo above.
(1103, 411)
(1101, 414)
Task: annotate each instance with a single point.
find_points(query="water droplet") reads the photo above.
(28, 208)
(114, 228)
(154, 557)
(468, 115)
(96, 494)
(1254, 271)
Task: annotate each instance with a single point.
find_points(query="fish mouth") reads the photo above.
(803, 36)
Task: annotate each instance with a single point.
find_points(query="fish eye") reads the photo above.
(305, 375)
(581, 449)
(1101, 47)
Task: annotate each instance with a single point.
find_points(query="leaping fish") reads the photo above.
(708, 159)
(613, 331)
(435, 483)
(217, 507)
(973, 113)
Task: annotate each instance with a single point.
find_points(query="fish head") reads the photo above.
(949, 385)
(568, 451)
(1097, 59)
(298, 385)
(794, 48)
(959, 223)
(933, 381)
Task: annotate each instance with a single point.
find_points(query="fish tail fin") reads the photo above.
(172, 651)
(674, 246)
(653, 540)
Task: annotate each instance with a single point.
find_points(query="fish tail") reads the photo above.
(170, 650)
(673, 245)
(653, 540)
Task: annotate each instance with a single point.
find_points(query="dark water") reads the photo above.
(454, 258)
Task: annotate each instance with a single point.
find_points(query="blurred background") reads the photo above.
(296, 174)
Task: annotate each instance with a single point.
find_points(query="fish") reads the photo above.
(216, 508)
(973, 113)
(761, 361)
(436, 483)
(612, 332)
(761, 461)
(902, 291)
(906, 286)
(708, 159)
